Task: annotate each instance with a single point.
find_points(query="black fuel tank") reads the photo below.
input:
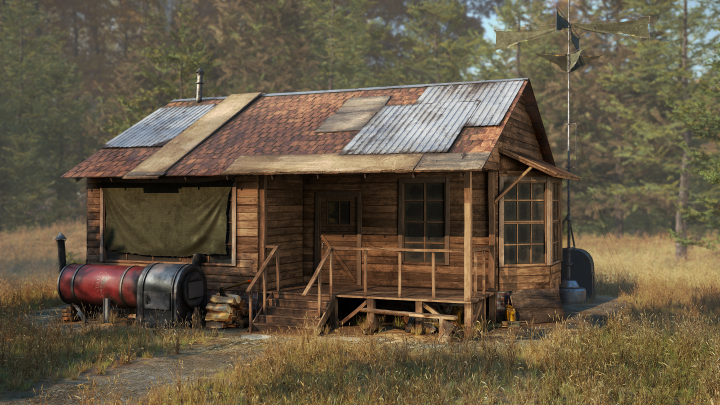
(167, 293)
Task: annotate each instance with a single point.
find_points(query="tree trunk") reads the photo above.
(684, 187)
(619, 215)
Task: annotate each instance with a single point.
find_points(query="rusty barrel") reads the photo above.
(89, 283)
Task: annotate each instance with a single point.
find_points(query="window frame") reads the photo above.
(233, 236)
(508, 178)
(555, 223)
(401, 214)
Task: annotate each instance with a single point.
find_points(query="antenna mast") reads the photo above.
(568, 219)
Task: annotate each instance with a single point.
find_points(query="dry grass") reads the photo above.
(664, 348)
(33, 251)
(32, 348)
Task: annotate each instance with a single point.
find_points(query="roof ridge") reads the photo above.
(406, 86)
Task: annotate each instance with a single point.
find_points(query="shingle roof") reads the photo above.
(285, 124)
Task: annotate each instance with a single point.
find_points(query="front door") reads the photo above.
(338, 221)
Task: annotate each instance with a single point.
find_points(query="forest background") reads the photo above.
(78, 72)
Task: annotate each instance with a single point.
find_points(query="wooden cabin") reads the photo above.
(351, 199)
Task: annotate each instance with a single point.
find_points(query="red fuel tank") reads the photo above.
(89, 283)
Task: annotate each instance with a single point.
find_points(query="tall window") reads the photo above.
(524, 224)
(423, 214)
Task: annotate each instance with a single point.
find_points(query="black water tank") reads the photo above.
(167, 293)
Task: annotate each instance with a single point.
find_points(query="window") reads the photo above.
(423, 218)
(524, 224)
(338, 212)
(557, 224)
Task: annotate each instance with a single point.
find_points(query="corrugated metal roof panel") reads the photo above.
(416, 128)
(159, 127)
(436, 119)
(495, 100)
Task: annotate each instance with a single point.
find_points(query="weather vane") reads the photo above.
(570, 62)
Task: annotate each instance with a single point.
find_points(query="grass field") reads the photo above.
(31, 350)
(663, 348)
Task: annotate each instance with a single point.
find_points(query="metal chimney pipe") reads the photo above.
(60, 239)
(198, 96)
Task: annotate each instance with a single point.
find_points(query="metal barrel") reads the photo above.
(89, 284)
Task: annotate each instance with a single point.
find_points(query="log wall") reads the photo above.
(93, 221)
(246, 224)
(284, 226)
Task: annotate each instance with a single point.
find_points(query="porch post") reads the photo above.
(468, 246)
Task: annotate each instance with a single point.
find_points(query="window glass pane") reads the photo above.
(438, 256)
(435, 191)
(435, 233)
(538, 210)
(556, 191)
(510, 211)
(523, 254)
(538, 253)
(435, 211)
(414, 232)
(413, 210)
(556, 210)
(538, 233)
(523, 210)
(555, 233)
(524, 233)
(523, 191)
(511, 254)
(510, 234)
(344, 212)
(538, 191)
(512, 194)
(332, 212)
(413, 191)
(414, 256)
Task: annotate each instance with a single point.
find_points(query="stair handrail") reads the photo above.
(263, 268)
(261, 272)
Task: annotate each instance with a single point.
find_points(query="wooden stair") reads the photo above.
(289, 310)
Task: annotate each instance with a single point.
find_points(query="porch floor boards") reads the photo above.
(389, 293)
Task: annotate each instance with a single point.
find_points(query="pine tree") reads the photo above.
(261, 46)
(701, 115)
(161, 69)
(41, 113)
(440, 48)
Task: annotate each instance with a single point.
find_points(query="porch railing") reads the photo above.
(330, 253)
(262, 273)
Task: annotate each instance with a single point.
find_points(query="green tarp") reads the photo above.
(635, 28)
(166, 220)
(561, 60)
(503, 39)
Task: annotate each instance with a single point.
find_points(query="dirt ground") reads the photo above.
(132, 381)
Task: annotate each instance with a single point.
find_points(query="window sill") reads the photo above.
(526, 265)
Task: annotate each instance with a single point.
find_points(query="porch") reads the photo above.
(319, 299)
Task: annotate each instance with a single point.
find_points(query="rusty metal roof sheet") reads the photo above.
(436, 119)
(159, 127)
